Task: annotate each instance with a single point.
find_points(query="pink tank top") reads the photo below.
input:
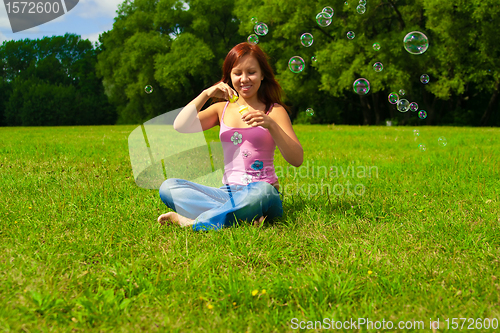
(248, 154)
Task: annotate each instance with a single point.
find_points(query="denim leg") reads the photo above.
(190, 199)
(246, 203)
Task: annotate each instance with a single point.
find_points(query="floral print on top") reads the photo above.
(246, 179)
(245, 153)
(236, 138)
(257, 165)
(248, 154)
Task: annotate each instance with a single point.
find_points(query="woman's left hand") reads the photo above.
(257, 118)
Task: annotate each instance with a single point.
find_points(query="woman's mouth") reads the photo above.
(245, 88)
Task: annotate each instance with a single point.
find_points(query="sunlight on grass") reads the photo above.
(373, 228)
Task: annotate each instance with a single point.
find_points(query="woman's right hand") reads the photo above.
(221, 90)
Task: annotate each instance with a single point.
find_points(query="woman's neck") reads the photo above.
(253, 102)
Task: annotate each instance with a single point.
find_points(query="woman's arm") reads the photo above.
(283, 134)
(191, 120)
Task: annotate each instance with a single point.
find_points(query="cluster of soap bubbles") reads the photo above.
(324, 18)
(415, 43)
(361, 9)
(260, 29)
(296, 64)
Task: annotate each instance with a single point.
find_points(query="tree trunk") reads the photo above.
(491, 106)
(376, 107)
(366, 108)
(429, 107)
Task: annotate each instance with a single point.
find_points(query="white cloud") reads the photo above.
(94, 37)
(97, 8)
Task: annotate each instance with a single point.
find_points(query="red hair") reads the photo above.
(269, 91)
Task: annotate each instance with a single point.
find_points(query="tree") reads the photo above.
(178, 51)
(52, 81)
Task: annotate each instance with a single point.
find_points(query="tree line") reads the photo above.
(178, 48)
(52, 82)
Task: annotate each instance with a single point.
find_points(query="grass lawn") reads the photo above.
(415, 239)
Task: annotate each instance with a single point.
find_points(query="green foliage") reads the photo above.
(177, 51)
(52, 81)
(178, 47)
(183, 47)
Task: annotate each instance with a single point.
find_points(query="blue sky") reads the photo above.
(88, 19)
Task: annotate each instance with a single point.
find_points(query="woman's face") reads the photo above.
(246, 76)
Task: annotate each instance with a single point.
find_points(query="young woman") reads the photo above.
(251, 188)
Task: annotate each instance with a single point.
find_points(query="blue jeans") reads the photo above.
(216, 208)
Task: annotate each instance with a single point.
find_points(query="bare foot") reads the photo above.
(258, 223)
(175, 218)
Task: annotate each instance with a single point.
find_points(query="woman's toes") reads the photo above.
(164, 217)
(258, 223)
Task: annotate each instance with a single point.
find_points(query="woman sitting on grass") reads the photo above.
(249, 139)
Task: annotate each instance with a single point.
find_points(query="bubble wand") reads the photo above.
(234, 99)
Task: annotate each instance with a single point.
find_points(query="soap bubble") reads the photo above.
(442, 141)
(376, 46)
(306, 39)
(361, 9)
(351, 35)
(346, 3)
(261, 29)
(403, 105)
(296, 64)
(328, 11)
(314, 59)
(323, 19)
(361, 86)
(253, 39)
(413, 106)
(416, 132)
(254, 20)
(422, 147)
(424, 78)
(378, 67)
(310, 112)
(402, 92)
(362, 2)
(416, 42)
(422, 114)
(393, 98)
(148, 89)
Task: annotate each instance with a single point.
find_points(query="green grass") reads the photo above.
(80, 248)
